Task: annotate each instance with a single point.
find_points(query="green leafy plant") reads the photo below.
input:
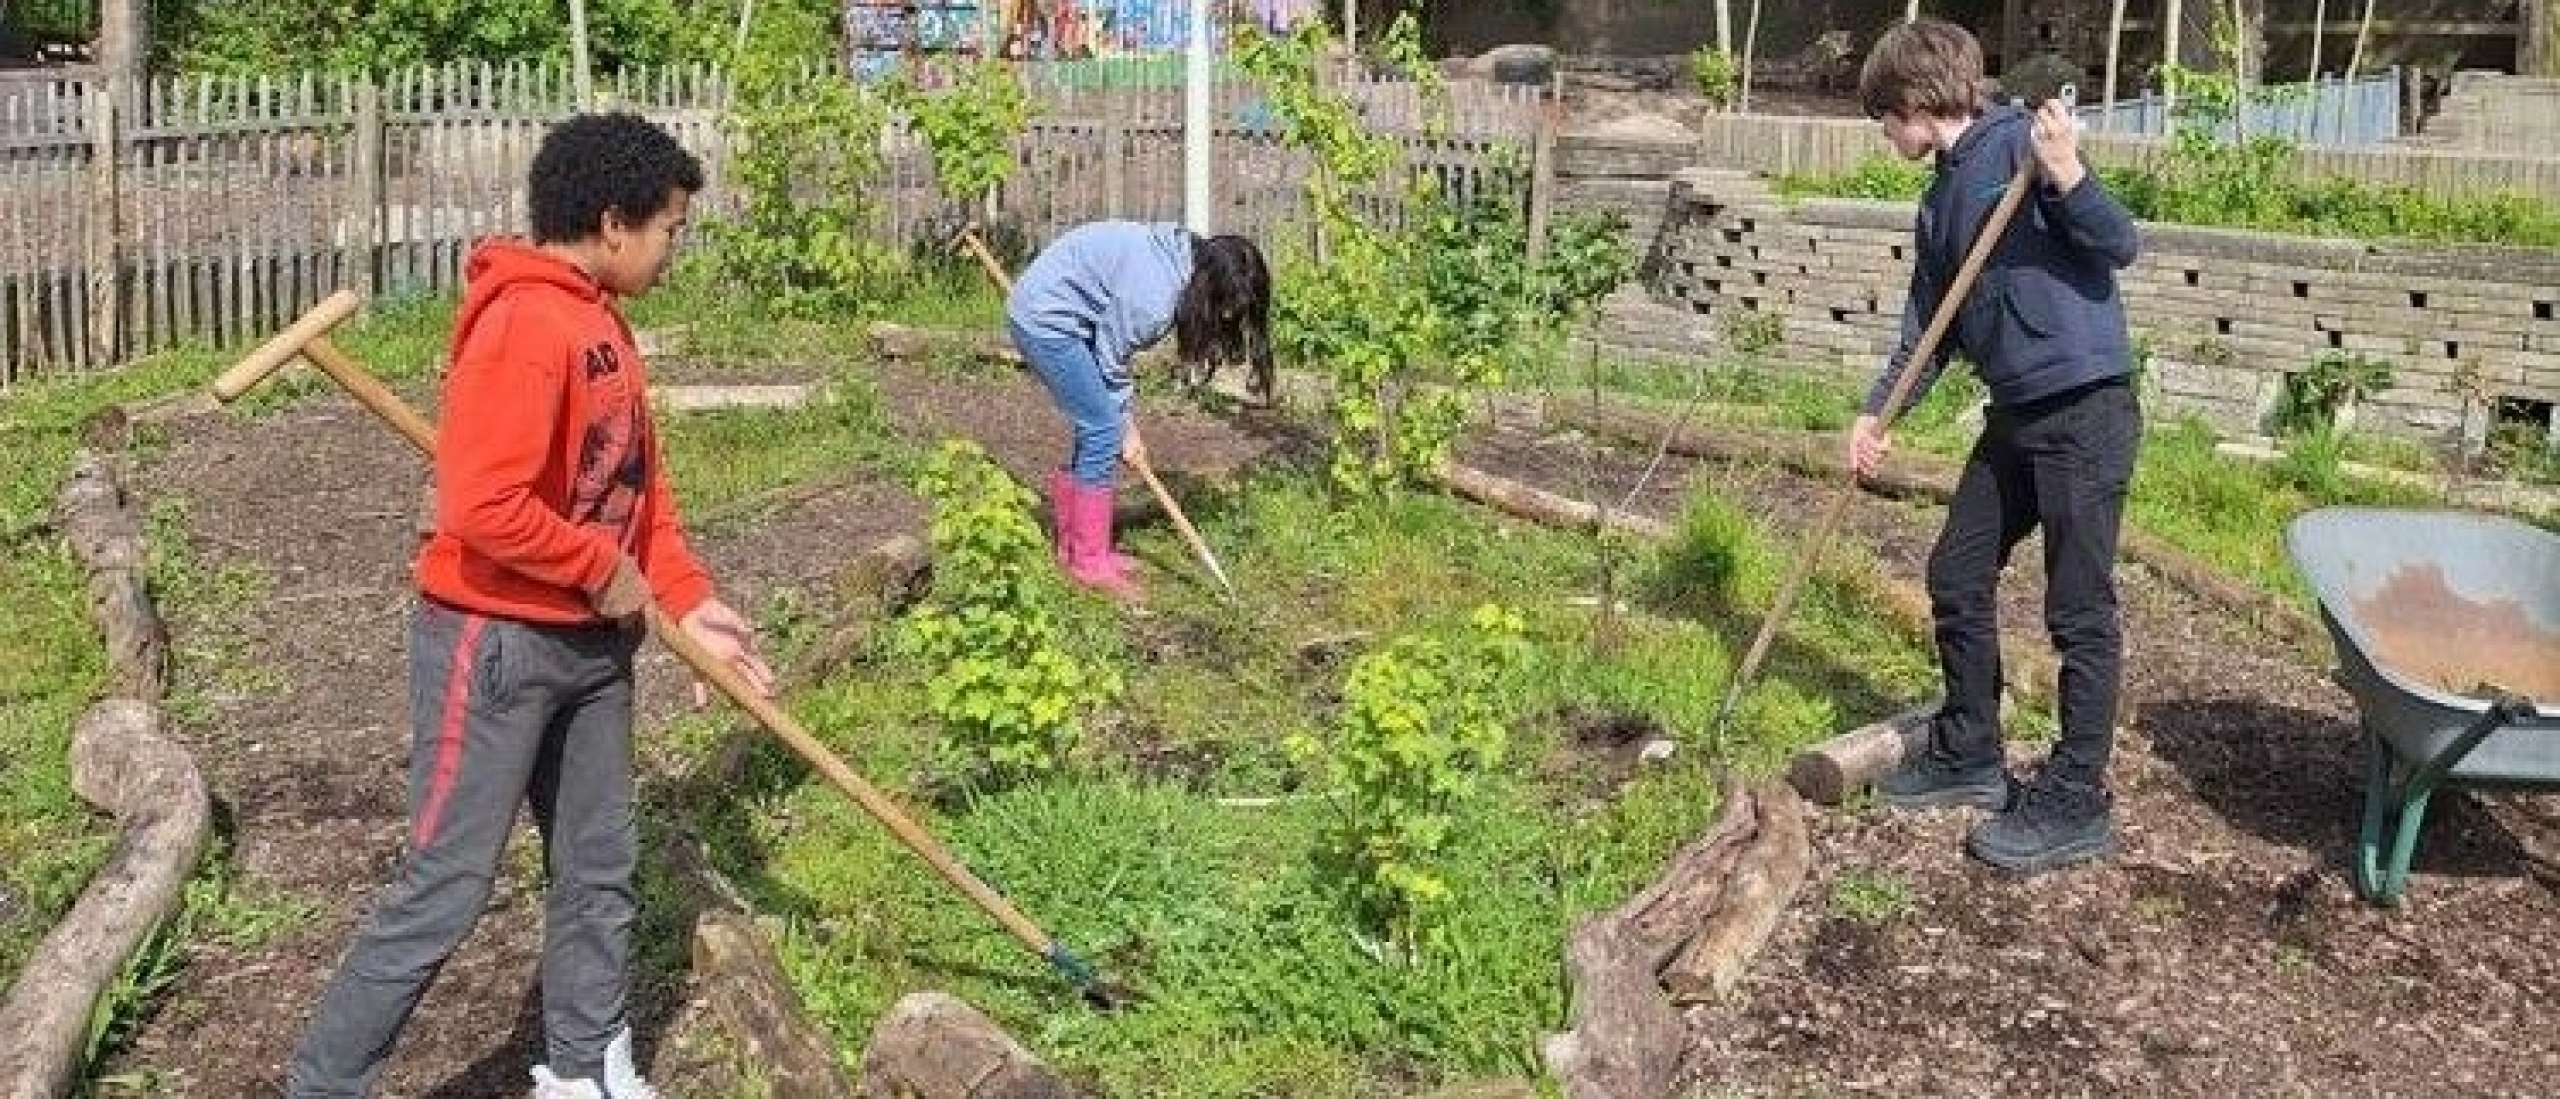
(1421, 725)
(2312, 398)
(808, 165)
(1364, 305)
(969, 120)
(1717, 75)
(1003, 682)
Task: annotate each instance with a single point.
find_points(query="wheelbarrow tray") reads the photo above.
(2422, 730)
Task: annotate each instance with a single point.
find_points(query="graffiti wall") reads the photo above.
(876, 32)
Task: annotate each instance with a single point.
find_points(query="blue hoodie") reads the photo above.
(2044, 315)
(1112, 285)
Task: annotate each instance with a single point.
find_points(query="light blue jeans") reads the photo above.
(1094, 412)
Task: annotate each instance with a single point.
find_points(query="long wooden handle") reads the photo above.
(986, 259)
(279, 350)
(789, 730)
(1182, 523)
(1993, 228)
(415, 428)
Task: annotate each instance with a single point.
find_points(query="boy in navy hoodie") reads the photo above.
(2044, 327)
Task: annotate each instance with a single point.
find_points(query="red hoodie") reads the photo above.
(547, 463)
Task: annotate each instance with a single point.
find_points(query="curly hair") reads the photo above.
(1926, 66)
(592, 163)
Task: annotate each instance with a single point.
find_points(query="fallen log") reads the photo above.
(1540, 505)
(706, 398)
(1762, 883)
(743, 982)
(1923, 477)
(106, 534)
(121, 764)
(1827, 773)
(933, 1045)
(891, 340)
(117, 426)
(1694, 930)
(2028, 670)
(1910, 477)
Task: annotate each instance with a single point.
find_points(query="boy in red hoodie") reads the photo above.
(554, 529)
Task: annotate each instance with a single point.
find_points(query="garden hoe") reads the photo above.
(968, 237)
(308, 338)
(1993, 228)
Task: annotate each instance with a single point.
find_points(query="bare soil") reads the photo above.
(2222, 952)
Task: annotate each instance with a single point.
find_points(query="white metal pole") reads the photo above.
(1195, 125)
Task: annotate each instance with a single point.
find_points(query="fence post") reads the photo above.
(360, 243)
(104, 262)
(1115, 165)
(1542, 172)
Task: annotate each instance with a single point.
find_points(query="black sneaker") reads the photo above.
(1934, 778)
(2053, 822)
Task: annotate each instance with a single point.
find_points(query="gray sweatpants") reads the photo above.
(504, 713)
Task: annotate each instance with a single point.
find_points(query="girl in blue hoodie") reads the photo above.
(1089, 303)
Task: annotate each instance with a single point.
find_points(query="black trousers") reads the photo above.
(2062, 463)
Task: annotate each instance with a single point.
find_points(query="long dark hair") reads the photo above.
(1225, 312)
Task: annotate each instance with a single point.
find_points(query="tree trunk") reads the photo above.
(2319, 32)
(1750, 54)
(2115, 54)
(124, 38)
(1724, 27)
(2538, 53)
(2364, 34)
(2172, 15)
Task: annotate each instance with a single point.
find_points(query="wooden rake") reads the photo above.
(1993, 228)
(308, 338)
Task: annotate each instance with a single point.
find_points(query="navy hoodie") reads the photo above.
(2044, 315)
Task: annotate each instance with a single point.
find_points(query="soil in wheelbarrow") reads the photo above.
(2222, 952)
(293, 705)
(2425, 631)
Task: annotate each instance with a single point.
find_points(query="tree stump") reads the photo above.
(932, 1045)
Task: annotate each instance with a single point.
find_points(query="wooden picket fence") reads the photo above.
(140, 215)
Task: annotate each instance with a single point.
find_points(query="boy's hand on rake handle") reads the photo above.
(1869, 442)
(727, 636)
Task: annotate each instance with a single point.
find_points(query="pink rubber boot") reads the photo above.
(1090, 561)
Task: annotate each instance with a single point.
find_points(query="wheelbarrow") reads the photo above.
(2447, 628)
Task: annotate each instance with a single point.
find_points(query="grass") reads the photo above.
(1217, 907)
(1258, 981)
(1872, 897)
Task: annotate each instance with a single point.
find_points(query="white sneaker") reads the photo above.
(621, 1077)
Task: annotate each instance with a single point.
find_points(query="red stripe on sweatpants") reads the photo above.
(457, 706)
